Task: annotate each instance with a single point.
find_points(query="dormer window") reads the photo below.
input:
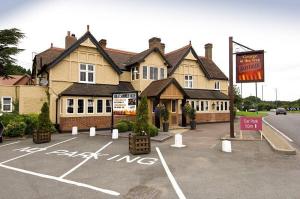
(135, 73)
(217, 85)
(87, 73)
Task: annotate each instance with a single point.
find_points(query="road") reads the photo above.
(288, 124)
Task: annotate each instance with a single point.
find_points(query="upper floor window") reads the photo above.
(188, 81)
(217, 85)
(87, 73)
(162, 73)
(135, 73)
(145, 72)
(6, 104)
(153, 73)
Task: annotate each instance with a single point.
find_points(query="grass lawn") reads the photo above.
(252, 114)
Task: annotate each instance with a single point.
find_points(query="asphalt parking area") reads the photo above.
(69, 160)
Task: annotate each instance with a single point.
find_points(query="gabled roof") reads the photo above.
(97, 90)
(76, 45)
(155, 88)
(120, 57)
(15, 80)
(137, 58)
(212, 69)
(205, 94)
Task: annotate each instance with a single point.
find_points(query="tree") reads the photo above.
(238, 100)
(45, 124)
(9, 39)
(141, 124)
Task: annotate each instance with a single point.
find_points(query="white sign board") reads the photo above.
(124, 103)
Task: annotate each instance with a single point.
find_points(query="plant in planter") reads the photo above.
(164, 113)
(191, 112)
(45, 127)
(139, 140)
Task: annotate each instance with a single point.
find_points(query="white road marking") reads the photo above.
(285, 136)
(84, 161)
(110, 192)
(9, 144)
(170, 176)
(42, 149)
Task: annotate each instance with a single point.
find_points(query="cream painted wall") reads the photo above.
(153, 59)
(125, 76)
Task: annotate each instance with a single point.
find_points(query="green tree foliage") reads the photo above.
(9, 39)
(44, 124)
(238, 100)
(141, 124)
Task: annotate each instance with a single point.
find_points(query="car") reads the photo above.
(252, 110)
(280, 111)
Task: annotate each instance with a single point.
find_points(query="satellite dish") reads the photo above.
(44, 82)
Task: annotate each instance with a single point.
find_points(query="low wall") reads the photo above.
(211, 117)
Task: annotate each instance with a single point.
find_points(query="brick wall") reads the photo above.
(211, 117)
(84, 123)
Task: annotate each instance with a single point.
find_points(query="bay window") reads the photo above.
(80, 106)
(70, 105)
(153, 73)
(145, 72)
(90, 106)
(99, 106)
(108, 106)
(162, 73)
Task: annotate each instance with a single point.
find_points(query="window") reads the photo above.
(217, 85)
(206, 105)
(87, 73)
(197, 106)
(90, 106)
(173, 106)
(80, 104)
(222, 106)
(162, 73)
(192, 104)
(108, 106)
(70, 105)
(99, 106)
(6, 104)
(202, 105)
(218, 106)
(153, 73)
(135, 73)
(188, 81)
(145, 72)
(225, 106)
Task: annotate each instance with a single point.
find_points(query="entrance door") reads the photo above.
(172, 106)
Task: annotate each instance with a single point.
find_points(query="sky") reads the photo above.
(270, 25)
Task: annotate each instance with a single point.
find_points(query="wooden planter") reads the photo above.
(41, 137)
(139, 144)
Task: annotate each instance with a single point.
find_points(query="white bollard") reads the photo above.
(115, 134)
(226, 146)
(92, 131)
(74, 130)
(178, 141)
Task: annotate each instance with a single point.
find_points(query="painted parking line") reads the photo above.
(110, 192)
(95, 155)
(9, 144)
(37, 150)
(170, 176)
(285, 136)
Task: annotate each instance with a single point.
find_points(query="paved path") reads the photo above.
(288, 124)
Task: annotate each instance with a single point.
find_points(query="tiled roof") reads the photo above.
(14, 80)
(157, 87)
(104, 90)
(176, 56)
(205, 94)
(48, 56)
(212, 69)
(119, 57)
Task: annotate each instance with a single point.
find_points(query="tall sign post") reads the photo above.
(231, 94)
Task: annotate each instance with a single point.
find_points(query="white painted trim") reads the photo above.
(170, 176)
(110, 192)
(95, 155)
(285, 136)
(9, 144)
(74, 101)
(86, 73)
(11, 104)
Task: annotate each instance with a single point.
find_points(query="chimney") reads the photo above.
(155, 42)
(103, 43)
(208, 51)
(51, 46)
(70, 39)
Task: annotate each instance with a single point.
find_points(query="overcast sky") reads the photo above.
(272, 25)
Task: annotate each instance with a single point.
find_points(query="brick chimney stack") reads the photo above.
(208, 51)
(155, 42)
(103, 43)
(70, 39)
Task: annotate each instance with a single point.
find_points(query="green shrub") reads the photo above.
(122, 126)
(141, 124)
(44, 123)
(31, 122)
(7, 118)
(153, 130)
(164, 113)
(15, 129)
(129, 123)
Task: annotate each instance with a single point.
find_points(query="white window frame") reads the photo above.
(87, 71)
(67, 105)
(206, 106)
(11, 104)
(107, 106)
(97, 106)
(173, 101)
(146, 72)
(217, 85)
(78, 106)
(87, 106)
(135, 76)
(188, 81)
(161, 76)
(154, 68)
